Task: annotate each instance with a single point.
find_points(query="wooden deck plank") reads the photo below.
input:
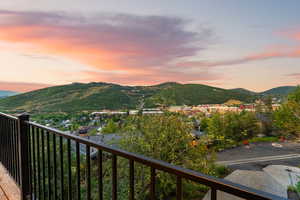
(2, 195)
(10, 190)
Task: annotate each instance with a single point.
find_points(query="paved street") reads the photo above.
(260, 155)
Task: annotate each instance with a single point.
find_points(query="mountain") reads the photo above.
(5, 93)
(244, 91)
(279, 91)
(96, 96)
(193, 94)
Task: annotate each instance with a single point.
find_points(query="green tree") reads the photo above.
(287, 117)
(231, 127)
(167, 138)
(264, 112)
(111, 127)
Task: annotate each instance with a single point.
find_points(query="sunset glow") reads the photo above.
(58, 47)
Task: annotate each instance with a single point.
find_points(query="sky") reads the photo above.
(251, 44)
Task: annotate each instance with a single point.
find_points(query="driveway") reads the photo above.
(259, 155)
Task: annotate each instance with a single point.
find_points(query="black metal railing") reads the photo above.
(48, 164)
(9, 145)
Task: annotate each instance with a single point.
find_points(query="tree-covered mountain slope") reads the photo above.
(97, 96)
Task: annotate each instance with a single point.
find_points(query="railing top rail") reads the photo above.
(217, 183)
(8, 116)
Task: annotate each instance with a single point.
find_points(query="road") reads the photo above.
(260, 155)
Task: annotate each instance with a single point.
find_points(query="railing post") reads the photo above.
(23, 137)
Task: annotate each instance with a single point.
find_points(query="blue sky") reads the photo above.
(225, 43)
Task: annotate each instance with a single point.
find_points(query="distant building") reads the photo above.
(152, 112)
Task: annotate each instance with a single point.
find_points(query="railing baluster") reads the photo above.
(6, 146)
(100, 181)
(32, 184)
(88, 172)
(61, 167)
(13, 153)
(1, 138)
(54, 166)
(5, 143)
(213, 194)
(34, 162)
(10, 147)
(7, 151)
(17, 151)
(49, 165)
(14, 157)
(23, 156)
(114, 178)
(38, 162)
(78, 169)
(152, 185)
(179, 188)
(131, 179)
(43, 163)
(69, 170)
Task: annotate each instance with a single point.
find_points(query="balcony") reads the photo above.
(42, 165)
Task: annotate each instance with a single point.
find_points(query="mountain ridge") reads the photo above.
(279, 91)
(100, 95)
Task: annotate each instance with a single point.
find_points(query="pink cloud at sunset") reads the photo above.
(294, 75)
(20, 86)
(291, 34)
(106, 42)
(268, 54)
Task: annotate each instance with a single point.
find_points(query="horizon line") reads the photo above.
(134, 85)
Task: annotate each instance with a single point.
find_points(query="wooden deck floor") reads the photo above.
(8, 189)
(2, 195)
